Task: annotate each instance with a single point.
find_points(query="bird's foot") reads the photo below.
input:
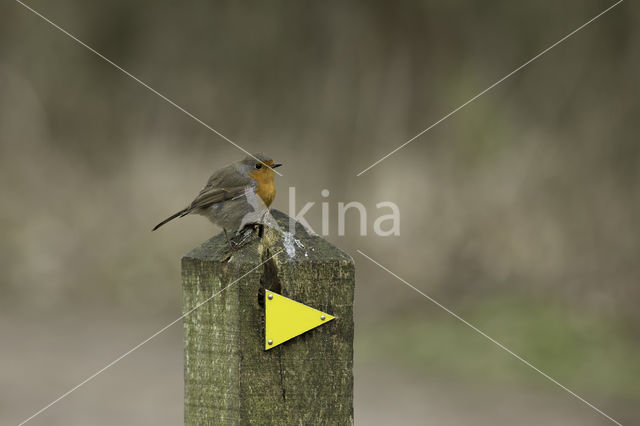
(242, 238)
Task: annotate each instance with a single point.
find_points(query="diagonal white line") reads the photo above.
(136, 347)
(490, 87)
(476, 329)
(142, 83)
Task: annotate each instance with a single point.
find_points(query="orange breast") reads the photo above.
(265, 187)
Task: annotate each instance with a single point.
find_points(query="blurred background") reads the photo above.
(520, 212)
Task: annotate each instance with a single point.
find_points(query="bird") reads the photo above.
(236, 195)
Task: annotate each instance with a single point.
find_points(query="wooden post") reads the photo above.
(229, 377)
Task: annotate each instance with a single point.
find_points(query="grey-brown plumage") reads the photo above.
(235, 195)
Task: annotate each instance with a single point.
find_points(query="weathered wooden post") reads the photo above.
(229, 376)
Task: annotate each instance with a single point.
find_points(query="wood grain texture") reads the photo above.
(229, 377)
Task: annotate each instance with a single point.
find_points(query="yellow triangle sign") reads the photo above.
(286, 319)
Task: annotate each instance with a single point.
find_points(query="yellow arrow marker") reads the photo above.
(286, 319)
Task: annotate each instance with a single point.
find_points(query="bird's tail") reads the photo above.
(170, 218)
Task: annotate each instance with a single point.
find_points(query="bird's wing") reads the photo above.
(225, 184)
(209, 196)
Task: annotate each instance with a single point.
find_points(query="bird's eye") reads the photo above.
(258, 165)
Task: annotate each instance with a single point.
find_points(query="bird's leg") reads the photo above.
(242, 237)
(228, 240)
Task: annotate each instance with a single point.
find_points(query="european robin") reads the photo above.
(236, 195)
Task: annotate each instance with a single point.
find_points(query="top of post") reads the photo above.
(297, 244)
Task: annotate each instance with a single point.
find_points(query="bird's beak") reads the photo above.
(276, 165)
